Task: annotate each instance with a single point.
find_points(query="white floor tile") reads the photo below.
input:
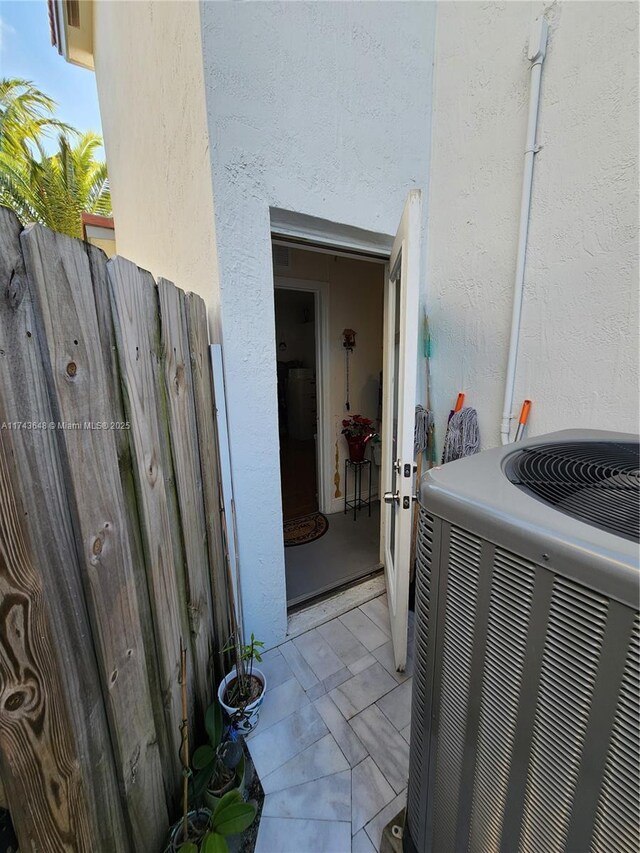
(375, 827)
(362, 690)
(361, 843)
(396, 705)
(336, 679)
(282, 741)
(301, 669)
(364, 662)
(384, 744)
(342, 641)
(364, 629)
(322, 758)
(345, 736)
(370, 793)
(318, 654)
(284, 835)
(406, 733)
(275, 668)
(384, 654)
(378, 612)
(327, 798)
(280, 702)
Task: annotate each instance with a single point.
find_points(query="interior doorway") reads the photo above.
(297, 400)
(319, 294)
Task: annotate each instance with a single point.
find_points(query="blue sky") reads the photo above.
(26, 51)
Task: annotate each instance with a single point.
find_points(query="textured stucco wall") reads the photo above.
(149, 75)
(579, 345)
(323, 109)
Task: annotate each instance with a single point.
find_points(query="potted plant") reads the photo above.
(358, 431)
(219, 765)
(231, 816)
(241, 692)
(205, 830)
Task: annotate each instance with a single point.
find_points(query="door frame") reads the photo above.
(320, 290)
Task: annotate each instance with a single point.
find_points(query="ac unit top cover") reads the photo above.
(567, 500)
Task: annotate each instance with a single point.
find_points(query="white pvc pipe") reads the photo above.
(537, 50)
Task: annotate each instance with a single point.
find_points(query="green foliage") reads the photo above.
(232, 814)
(230, 817)
(238, 695)
(52, 189)
(209, 759)
(214, 724)
(214, 843)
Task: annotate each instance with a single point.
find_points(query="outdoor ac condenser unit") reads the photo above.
(524, 726)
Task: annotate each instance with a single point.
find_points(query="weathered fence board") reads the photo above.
(37, 752)
(111, 543)
(59, 275)
(197, 330)
(98, 265)
(135, 314)
(186, 464)
(40, 488)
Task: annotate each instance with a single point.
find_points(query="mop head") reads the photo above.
(424, 423)
(463, 435)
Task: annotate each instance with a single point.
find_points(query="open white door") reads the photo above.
(398, 415)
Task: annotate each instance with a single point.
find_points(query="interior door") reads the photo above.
(398, 415)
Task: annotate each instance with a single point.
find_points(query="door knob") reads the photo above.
(390, 497)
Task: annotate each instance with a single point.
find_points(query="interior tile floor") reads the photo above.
(332, 745)
(348, 550)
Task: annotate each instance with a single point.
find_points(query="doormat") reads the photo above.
(308, 528)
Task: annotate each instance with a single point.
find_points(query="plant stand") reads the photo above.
(357, 503)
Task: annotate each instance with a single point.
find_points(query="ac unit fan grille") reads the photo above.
(597, 482)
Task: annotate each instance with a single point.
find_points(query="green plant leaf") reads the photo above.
(203, 756)
(213, 842)
(188, 847)
(214, 724)
(230, 798)
(234, 818)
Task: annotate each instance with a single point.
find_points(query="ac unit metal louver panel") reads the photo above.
(525, 731)
(509, 610)
(577, 619)
(422, 685)
(616, 824)
(457, 651)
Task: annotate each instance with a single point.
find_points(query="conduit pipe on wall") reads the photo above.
(536, 54)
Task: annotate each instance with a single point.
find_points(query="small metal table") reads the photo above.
(357, 502)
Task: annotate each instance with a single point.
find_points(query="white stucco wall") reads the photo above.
(149, 74)
(579, 346)
(323, 109)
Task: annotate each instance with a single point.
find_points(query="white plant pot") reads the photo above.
(252, 712)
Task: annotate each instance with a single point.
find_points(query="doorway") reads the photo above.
(318, 295)
(297, 400)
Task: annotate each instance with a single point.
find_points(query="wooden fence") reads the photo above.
(111, 541)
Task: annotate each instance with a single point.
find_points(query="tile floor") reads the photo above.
(332, 746)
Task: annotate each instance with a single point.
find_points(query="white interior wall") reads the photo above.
(354, 295)
(323, 109)
(579, 344)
